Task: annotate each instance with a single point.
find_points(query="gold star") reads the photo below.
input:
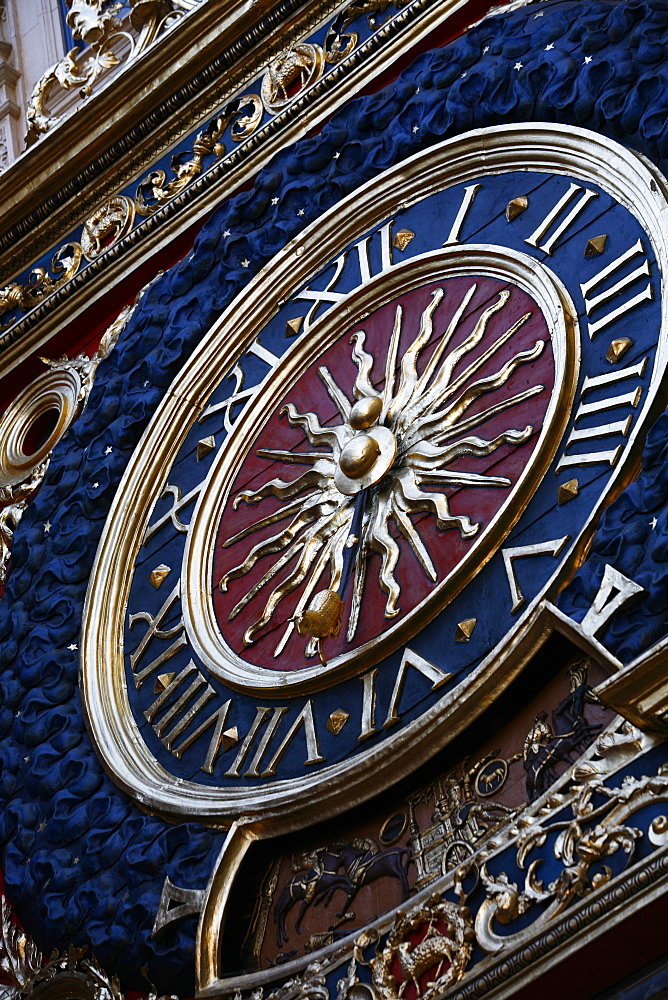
(337, 721)
(464, 630)
(568, 491)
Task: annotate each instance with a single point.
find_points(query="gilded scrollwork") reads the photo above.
(339, 42)
(299, 66)
(20, 958)
(14, 297)
(156, 189)
(428, 946)
(29, 973)
(96, 23)
(312, 985)
(109, 42)
(58, 397)
(596, 831)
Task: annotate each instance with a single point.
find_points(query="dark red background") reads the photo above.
(446, 547)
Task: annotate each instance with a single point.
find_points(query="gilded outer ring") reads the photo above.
(453, 262)
(284, 806)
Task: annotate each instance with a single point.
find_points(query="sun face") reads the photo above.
(385, 463)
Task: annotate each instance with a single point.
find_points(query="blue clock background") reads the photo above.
(543, 519)
(72, 841)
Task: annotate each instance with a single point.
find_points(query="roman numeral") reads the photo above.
(273, 717)
(510, 554)
(363, 255)
(469, 194)
(614, 592)
(327, 295)
(169, 722)
(630, 398)
(178, 504)
(197, 684)
(553, 216)
(240, 395)
(368, 727)
(156, 631)
(428, 669)
(594, 302)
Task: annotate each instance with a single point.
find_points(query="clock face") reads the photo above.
(327, 553)
(460, 380)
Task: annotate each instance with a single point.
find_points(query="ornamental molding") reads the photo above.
(604, 841)
(112, 46)
(36, 302)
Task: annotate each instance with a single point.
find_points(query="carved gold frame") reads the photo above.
(104, 123)
(288, 805)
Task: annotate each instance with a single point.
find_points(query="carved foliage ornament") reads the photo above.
(599, 829)
(96, 23)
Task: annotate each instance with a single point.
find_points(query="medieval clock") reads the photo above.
(314, 572)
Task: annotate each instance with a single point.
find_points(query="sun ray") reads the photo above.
(281, 514)
(335, 436)
(434, 360)
(284, 490)
(454, 411)
(409, 375)
(432, 397)
(386, 546)
(448, 477)
(316, 574)
(269, 546)
(275, 568)
(335, 393)
(478, 363)
(391, 362)
(412, 537)
(478, 418)
(311, 547)
(364, 361)
(430, 456)
(292, 457)
(434, 503)
(358, 587)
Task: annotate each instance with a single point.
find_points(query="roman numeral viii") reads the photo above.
(594, 303)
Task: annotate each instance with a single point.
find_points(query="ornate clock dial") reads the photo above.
(463, 372)
(412, 395)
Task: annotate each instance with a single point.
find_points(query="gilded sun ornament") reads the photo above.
(386, 458)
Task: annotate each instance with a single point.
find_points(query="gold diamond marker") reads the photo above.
(337, 721)
(618, 349)
(464, 630)
(402, 239)
(293, 326)
(163, 681)
(159, 575)
(205, 447)
(230, 737)
(596, 245)
(567, 491)
(515, 208)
